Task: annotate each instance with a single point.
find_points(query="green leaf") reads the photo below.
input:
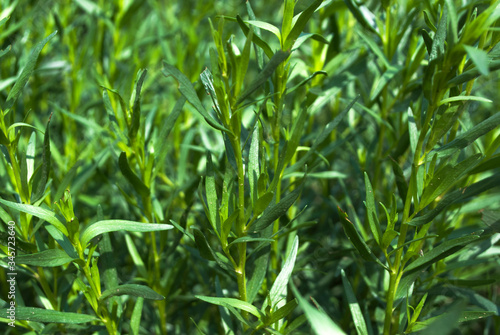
(472, 74)
(266, 26)
(456, 197)
(203, 246)
(362, 15)
(46, 258)
(357, 241)
(321, 137)
(446, 177)
(276, 211)
(300, 24)
(255, 37)
(440, 37)
(34, 314)
(133, 290)
(371, 210)
(45, 164)
(463, 98)
(136, 107)
(467, 316)
(443, 324)
(443, 250)
(257, 266)
(135, 320)
(39, 212)
(278, 58)
(161, 144)
(277, 295)
(248, 239)
(132, 178)
(107, 226)
(187, 90)
(27, 71)
(231, 302)
(282, 312)
(253, 166)
(357, 315)
(262, 203)
(320, 323)
(211, 194)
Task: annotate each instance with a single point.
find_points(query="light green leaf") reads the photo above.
(107, 226)
(357, 315)
(319, 321)
(39, 212)
(463, 98)
(133, 290)
(371, 210)
(231, 302)
(253, 165)
(277, 295)
(266, 26)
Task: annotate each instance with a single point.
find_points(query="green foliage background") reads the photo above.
(366, 159)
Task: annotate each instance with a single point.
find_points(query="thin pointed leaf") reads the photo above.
(187, 90)
(132, 178)
(371, 210)
(278, 58)
(27, 71)
(46, 258)
(277, 295)
(357, 315)
(133, 290)
(39, 212)
(35, 314)
(107, 226)
(443, 250)
(231, 302)
(300, 24)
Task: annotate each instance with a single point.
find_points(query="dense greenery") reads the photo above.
(250, 167)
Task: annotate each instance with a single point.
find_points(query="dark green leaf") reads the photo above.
(46, 258)
(133, 290)
(446, 177)
(275, 211)
(364, 17)
(40, 190)
(231, 302)
(278, 58)
(443, 250)
(27, 71)
(371, 210)
(136, 108)
(132, 178)
(34, 314)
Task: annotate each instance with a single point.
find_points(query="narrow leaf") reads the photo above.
(39, 212)
(27, 71)
(231, 302)
(107, 226)
(35, 314)
(132, 178)
(357, 315)
(46, 258)
(443, 250)
(187, 90)
(133, 290)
